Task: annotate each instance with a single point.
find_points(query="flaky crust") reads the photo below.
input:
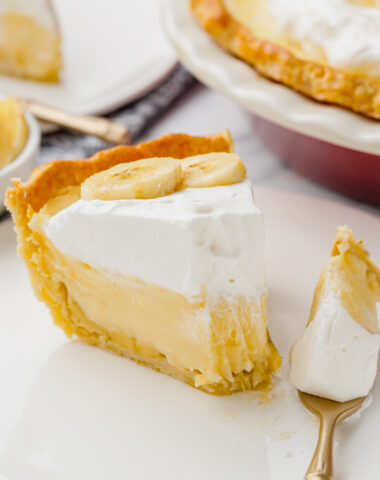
(355, 91)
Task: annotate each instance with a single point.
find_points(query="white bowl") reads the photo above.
(25, 162)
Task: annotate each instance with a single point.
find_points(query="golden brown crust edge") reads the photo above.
(351, 90)
(47, 180)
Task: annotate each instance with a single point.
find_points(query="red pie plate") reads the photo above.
(345, 170)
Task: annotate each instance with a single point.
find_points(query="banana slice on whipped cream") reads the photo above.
(147, 178)
(160, 176)
(212, 170)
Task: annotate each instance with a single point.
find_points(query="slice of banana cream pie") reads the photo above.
(336, 357)
(154, 252)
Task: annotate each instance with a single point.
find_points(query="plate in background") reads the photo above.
(69, 411)
(113, 52)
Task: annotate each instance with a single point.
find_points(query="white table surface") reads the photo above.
(203, 111)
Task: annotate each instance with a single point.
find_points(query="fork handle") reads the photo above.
(318, 476)
(321, 466)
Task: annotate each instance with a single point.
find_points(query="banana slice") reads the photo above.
(212, 170)
(147, 178)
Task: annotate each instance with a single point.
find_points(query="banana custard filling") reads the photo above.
(162, 260)
(13, 130)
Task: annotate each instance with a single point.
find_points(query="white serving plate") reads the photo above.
(113, 53)
(72, 412)
(272, 101)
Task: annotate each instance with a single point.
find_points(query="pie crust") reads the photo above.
(353, 90)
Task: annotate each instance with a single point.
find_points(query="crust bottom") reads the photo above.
(354, 91)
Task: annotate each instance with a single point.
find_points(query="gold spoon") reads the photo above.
(100, 127)
(330, 413)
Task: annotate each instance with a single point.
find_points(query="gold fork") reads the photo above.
(330, 413)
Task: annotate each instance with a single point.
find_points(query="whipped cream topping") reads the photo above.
(335, 358)
(190, 240)
(349, 34)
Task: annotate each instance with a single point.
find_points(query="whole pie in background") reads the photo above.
(326, 49)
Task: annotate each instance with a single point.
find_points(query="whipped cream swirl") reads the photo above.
(349, 34)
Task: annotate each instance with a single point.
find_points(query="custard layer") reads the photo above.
(211, 342)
